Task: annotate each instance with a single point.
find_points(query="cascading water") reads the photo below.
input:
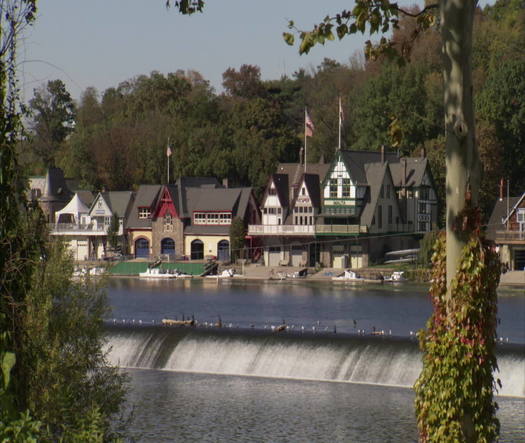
(370, 360)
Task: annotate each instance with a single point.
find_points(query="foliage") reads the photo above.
(64, 376)
(53, 113)
(113, 237)
(426, 248)
(454, 391)
(237, 235)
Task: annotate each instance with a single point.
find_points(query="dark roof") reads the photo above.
(145, 197)
(313, 186)
(118, 201)
(499, 214)
(415, 171)
(178, 191)
(375, 173)
(215, 199)
(86, 197)
(281, 182)
(356, 161)
(207, 230)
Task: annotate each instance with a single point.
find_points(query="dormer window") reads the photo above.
(303, 191)
(144, 213)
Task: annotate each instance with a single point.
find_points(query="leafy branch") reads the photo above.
(372, 16)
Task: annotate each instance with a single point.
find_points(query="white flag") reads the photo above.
(168, 151)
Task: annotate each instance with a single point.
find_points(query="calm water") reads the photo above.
(399, 309)
(187, 407)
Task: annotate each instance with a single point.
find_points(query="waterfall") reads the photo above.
(325, 357)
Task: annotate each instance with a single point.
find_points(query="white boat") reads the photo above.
(395, 277)
(351, 276)
(227, 273)
(157, 273)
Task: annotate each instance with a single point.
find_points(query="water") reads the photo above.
(399, 309)
(251, 385)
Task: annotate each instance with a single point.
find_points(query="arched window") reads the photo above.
(168, 222)
(197, 250)
(223, 251)
(142, 248)
(167, 246)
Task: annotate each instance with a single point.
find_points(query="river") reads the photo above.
(327, 379)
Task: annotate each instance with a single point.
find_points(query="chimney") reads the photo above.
(501, 183)
(382, 153)
(225, 182)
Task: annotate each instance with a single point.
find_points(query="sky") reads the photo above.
(101, 43)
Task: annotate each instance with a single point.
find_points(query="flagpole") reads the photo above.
(340, 108)
(168, 160)
(305, 140)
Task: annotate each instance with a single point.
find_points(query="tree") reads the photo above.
(237, 235)
(53, 113)
(51, 362)
(113, 235)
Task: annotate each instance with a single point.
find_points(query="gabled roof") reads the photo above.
(499, 215)
(415, 171)
(117, 201)
(375, 174)
(281, 183)
(514, 207)
(355, 161)
(145, 197)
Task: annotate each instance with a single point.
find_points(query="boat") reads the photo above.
(351, 276)
(396, 277)
(171, 322)
(227, 273)
(157, 273)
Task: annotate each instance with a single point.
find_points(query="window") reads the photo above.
(389, 214)
(303, 191)
(410, 193)
(373, 220)
(422, 226)
(423, 208)
(144, 213)
(346, 187)
(168, 222)
(272, 191)
(278, 210)
(311, 220)
(424, 193)
(380, 217)
(521, 215)
(333, 188)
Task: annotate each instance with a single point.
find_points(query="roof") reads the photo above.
(356, 161)
(281, 183)
(216, 199)
(86, 197)
(514, 207)
(75, 207)
(145, 197)
(499, 214)
(375, 174)
(415, 171)
(118, 201)
(207, 230)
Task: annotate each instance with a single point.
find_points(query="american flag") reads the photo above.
(168, 151)
(308, 124)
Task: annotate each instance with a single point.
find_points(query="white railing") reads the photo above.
(340, 229)
(79, 229)
(281, 230)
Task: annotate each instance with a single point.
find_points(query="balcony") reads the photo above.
(298, 230)
(306, 230)
(340, 229)
(78, 229)
(510, 237)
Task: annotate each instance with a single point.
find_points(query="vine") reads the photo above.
(454, 392)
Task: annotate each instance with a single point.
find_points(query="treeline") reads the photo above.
(118, 139)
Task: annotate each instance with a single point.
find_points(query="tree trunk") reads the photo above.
(462, 158)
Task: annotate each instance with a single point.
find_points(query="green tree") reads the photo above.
(54, 381)
(237, 238)
(53, 114)
(113, 235)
